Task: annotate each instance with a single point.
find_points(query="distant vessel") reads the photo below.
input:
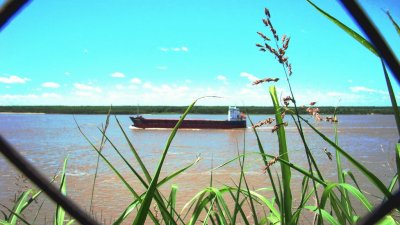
(235, 120)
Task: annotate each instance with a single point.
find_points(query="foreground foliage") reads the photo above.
(331, 202)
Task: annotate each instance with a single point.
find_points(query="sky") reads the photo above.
(171, 52)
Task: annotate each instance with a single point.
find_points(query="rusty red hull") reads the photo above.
(141, 122)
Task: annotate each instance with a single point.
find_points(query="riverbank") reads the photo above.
(252, 110)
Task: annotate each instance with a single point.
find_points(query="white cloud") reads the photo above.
(222, 78)
(18, 97)
(249, 76)
(147, 85)
(120, 87)
(84, 94)
(118, 75)
(13, 80)
(67, 73)
(51, 95)
(84, 87)
(175, 49)
(164, 49)
(136, 80)
(50, 85)
(365, 89)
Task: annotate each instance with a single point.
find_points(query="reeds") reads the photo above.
(231, 204)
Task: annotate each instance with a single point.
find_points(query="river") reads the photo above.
(46, 139)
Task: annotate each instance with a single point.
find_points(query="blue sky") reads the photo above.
(152, 52)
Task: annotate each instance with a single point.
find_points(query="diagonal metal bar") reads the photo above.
(9, 9)
(382, 210)
(392, 62)
(374, 36)
(43, 183)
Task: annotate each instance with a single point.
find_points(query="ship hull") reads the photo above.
(143, 123)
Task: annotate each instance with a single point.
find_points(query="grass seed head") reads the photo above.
(277, 126)
(265, 22)
(263, 36)
(265, 80)
(270, 163)
(330, 157)
(266, 11)
(263, 122)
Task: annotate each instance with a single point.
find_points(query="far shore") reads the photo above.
(20, 113)
(251, 110)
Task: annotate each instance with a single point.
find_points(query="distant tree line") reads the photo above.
(181, 109)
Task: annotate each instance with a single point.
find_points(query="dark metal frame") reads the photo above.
(11, 7)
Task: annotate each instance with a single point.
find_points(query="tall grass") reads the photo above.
(331, 202)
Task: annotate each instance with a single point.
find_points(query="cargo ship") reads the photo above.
(235, 120)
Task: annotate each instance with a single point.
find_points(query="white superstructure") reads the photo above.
(233, 113)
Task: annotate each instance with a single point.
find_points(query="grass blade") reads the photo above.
(283, 153)
(352, 190)
(396, 26)
(375, 180)
(398, 159)
(325, 215)
(261, 149)
(393, 182)
(119, 175)
(172, 200)
(237, 196)
(144, 208)
(102, 143)
(392, 98)
(17, 209)
(17, 215)
(60, 213)
(253, 210)
(134, 152)
(346, 29)
(127, 211)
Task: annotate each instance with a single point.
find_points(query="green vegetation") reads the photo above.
(328, 202)
(252, 110)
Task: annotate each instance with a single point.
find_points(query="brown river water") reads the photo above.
(47, 139)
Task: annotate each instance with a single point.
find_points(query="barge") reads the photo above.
(236, 120)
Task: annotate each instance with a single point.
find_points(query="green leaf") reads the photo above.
(18, 207)
(346, 29)
(352, 190)
(253, 210)
(126, 212)
(396, 26)
(172, 200)
(375, 180)
(60, 213)
(387, 220)
(325, 215)
(393, 182)
(283, 154)
(398, 159)
(144, 208)
(261, 149)
(2, 222)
